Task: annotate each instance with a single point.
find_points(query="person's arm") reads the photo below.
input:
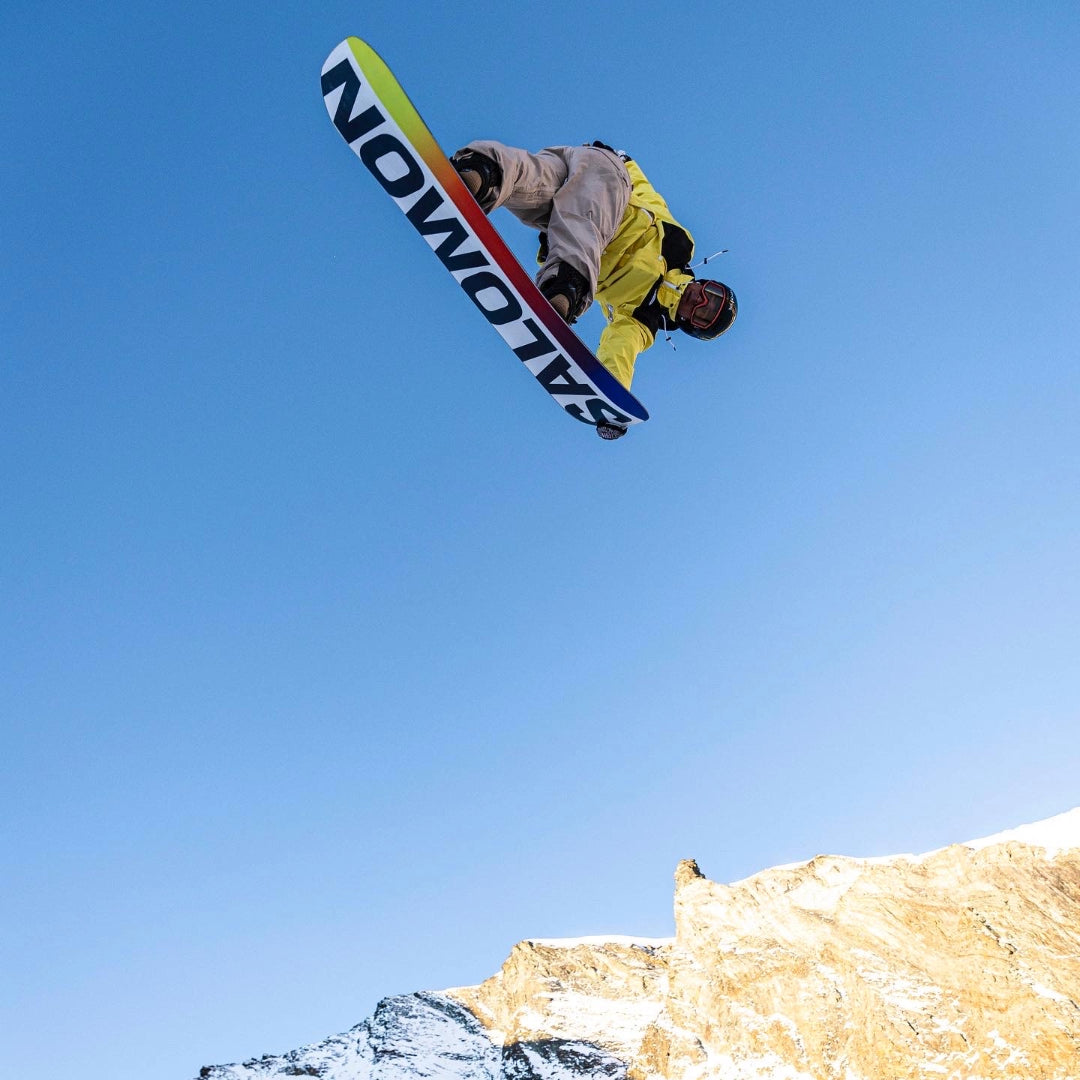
(623, 338)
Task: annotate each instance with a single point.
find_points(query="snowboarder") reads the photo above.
(605, 232)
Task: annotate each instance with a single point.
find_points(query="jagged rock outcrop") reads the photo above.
(963, 963)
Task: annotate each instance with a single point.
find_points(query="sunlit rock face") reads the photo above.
(963, 963)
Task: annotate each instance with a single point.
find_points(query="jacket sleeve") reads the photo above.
(623, 338)
(645, 194)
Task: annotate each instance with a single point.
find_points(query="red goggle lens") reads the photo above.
(706, 309)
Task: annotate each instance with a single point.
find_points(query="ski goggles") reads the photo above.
(706, 310)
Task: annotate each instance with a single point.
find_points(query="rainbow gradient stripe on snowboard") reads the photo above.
(381, 126)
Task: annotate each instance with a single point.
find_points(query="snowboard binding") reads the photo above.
(567, 290)
(481, 175)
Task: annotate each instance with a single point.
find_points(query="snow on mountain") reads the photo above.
(963, 962)
(1055, 835)
(416, 1035)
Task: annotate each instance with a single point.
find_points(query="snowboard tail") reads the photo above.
(375, 117)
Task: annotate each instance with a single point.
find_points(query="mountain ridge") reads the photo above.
(962, 962)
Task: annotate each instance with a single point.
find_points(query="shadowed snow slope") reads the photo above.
(962, 963)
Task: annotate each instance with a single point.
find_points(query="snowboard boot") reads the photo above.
(567, 291)
(481, 175)
(610, 431)
(562, 305)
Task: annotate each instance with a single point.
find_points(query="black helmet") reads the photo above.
(706, 309)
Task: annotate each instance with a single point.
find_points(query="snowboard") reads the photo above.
(384, 130)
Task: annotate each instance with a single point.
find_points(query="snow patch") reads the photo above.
(902, 991)
(1055, 834)
(629, 941)
(617, 1024)
(1046, 992)
(763, 1067)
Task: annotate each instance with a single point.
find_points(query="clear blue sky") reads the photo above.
(334, 660)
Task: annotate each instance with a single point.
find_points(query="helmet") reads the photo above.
(706, 309)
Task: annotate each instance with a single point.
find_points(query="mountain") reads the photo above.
(962, 963)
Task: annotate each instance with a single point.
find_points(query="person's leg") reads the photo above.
(576, 194)
(524, 183)
(586, 211)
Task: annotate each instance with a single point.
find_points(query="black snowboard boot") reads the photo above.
(481, 174)
(610, 431)
(567, 291)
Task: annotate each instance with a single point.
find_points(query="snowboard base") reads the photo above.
(381, 126)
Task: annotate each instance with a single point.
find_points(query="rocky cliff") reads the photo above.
(963, 963)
